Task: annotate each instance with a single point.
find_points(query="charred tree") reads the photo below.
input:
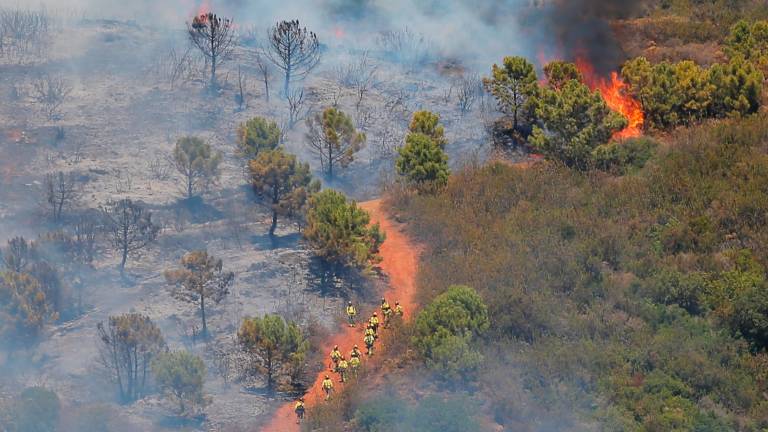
(294, 50)
(128, 344)
(60, 192)
(130, 228)
(214, 37)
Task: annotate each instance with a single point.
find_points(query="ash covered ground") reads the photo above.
(135, 89)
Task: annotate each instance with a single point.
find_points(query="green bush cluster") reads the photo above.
(435, 413)
(674, 94)
(446, 331)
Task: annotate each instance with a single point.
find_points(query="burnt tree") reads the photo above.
(128, 344)
(214, 37)
(60, 192)
(293, 49)
(129, 227)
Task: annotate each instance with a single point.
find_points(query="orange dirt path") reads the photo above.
(400, 259)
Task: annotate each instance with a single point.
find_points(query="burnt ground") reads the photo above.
(120, 123)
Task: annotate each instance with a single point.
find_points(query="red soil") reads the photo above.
(400, 260)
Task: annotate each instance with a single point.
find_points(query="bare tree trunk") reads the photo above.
(266, 87)
(202, 311)
(287, 80)
(275, 201)
(213, 72)
(122, 262)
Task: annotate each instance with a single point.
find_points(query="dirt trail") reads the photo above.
(400, 259)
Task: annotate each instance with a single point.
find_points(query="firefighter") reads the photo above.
(354, 353)
(369, 339)
(299, 410)
(335, 356)
(351, 312)
(327, 387)
(354, 364)
(369, 331)
(398, 309)
(342, 369)
(374, 322)
(386, 311)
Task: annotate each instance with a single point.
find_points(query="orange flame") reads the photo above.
(615, 96)
(204, 8)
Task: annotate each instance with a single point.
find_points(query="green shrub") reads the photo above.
(625, 156)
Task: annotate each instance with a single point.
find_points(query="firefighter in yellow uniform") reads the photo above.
(335, 357)
(399, 309)
(327, 387)
(369, 339)
(354, 364)
(351, 313)
(299, 410)
(342, 369)
(386, 312)
(355, 352)
(374, 323)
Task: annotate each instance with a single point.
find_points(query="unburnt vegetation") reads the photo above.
(619, 297)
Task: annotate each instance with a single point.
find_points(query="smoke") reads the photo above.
(581, 29)
(478, 32)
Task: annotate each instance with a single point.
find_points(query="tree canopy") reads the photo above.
(278, 346)
(574, 120)
(333, 138)
(181, 375)
(283, 181)
(422, 161)
(428, 123)
(446, 329)
(513, 84)
(201, 277)
(339, 231)
(197, 163)
(256, 135)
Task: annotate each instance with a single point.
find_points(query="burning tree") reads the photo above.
(214, 37)
(200, 277)
(294, 50)
(574, 121)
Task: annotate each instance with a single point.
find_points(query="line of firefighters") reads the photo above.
(339, 363)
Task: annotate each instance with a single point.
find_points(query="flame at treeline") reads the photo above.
(203, 8)
(614, 92)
